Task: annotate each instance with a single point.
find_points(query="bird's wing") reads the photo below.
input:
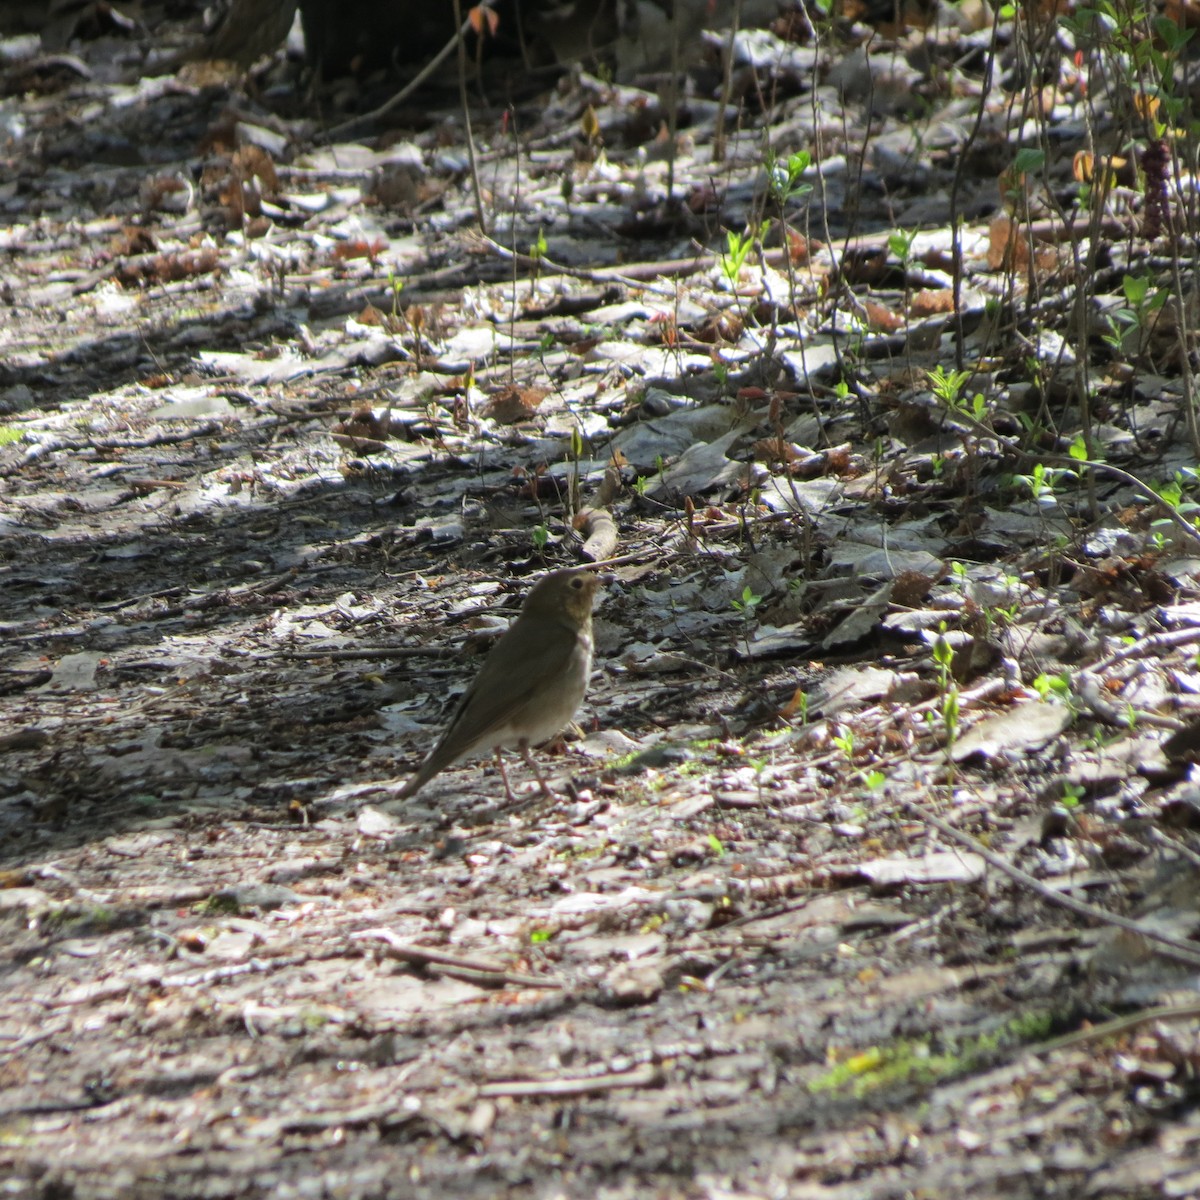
(511, 676)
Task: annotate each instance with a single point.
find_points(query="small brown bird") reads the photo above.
(531, 683)
(248, 30)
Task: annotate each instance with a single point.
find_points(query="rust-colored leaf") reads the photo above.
(930, 301)
(512, 405)
(880, 317)
(484, 21)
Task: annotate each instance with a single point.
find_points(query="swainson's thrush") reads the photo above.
(530, 684)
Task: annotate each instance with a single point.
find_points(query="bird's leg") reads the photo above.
(508, 792)
(532, 763)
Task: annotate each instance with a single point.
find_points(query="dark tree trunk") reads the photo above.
(354, 35)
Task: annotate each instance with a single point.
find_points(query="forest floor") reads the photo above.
(871, 870)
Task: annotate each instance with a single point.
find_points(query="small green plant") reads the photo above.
(1045, 482)
(715, 845)
(538, 937)
(734, 258)
(1176, 495)
(1072, 796)
(537, 252)
(1129, 324)
(8, 435)
(943, 657)
(901, 244)
(784, 174)
(844, 741)
(541, 537)
(1058, 686)
(395, 286)
(747, 605)
(575, 499)
(946, 385)
(1009, 609)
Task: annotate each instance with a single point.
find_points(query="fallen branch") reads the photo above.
(639, 1077)
(1163, 944)
(487, 972)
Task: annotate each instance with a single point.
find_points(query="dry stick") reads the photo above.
(1142, 488)
(639, 275)
(407, 90)
(956, 263)
(674, 93)
(1152, 645)
(479, 970)
(718, 150)
(1179, 301)
(648, 1076)
(602, 534)
(594, 275)
(1167, 946)
(377, 652)
(1118, 1025)
(466, 107)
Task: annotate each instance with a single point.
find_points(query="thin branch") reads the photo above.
(1161, 943)
(639, 1077)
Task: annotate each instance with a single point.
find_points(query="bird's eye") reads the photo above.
(577, 582)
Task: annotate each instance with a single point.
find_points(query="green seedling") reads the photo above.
(784, 176)
(746, 607)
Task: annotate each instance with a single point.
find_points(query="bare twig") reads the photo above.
(407, 90)
(639, 1077)
(476, 970)
(1117, 1026)
(1161, 943)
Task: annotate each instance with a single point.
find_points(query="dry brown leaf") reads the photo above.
(909, 588)
(775, 450)
(880, 317)
(358, 248)
(1007, 250)
(167, 268)
(930, 301)
(512, 405)
(718, 328)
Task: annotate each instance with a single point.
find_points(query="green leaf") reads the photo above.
(1029, 161)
